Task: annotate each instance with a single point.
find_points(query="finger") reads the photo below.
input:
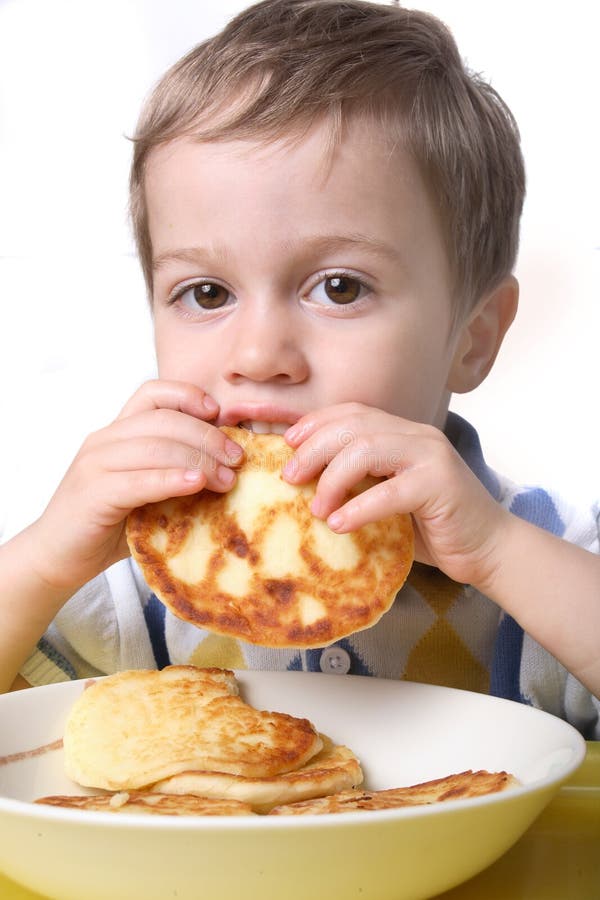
(348, 418)
(178, 395)
(423, 473)
(318, 449)
(376, 455)
(208, 441)
(124, 491)
(378, 502)
(143, 454)
(314, 421)
(336, 436)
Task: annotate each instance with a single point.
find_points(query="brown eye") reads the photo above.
(209, 295)
(342, 289)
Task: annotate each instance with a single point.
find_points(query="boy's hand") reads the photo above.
(160, 446)
(456, 520)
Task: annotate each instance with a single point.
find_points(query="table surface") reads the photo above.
(558, 858)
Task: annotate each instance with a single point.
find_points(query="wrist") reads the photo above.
(496, 554)
(45, 574)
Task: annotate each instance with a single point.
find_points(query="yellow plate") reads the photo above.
(557, 857)
(402, 732)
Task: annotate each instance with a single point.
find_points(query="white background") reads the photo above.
(75, 333)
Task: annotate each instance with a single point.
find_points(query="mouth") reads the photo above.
(264, 427)
(260, 418)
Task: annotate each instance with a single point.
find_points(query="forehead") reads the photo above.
(289, 187)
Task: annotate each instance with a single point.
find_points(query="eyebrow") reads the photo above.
(312, 245)
(351, 241)
(192, 255)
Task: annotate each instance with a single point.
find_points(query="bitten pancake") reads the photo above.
(151, 804)
(255, 564)
(453, 787)
(333, 769)
(131, 729)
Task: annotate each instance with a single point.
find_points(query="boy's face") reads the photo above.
(286, 281)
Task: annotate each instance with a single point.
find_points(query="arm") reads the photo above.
(160, 446)
(549, 586)
(28, 605)
(552, 588)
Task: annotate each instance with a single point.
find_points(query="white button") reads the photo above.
(335, 661)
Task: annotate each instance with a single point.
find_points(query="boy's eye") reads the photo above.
(342, 289)
(206, 295)
(338, 289)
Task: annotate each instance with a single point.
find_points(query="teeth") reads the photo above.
(265, 427)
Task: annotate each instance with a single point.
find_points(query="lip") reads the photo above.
(259, 412)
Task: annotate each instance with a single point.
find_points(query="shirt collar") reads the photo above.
(465, 441)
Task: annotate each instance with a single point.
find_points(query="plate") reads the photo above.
(403, 733)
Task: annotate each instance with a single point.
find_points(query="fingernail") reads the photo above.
(209, 404)
(225, 475)
(234, 451)
(192, 474)
(335, 521)
(316, 506)
(295, 433)
(290, 470)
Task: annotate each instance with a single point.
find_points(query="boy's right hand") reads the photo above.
(161, 445)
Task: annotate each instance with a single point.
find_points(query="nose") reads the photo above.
(266, 345)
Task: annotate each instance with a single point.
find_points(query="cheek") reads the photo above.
(179, 355)
(163, 349)
(402, 373)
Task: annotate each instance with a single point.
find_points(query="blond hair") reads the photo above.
(281, 65)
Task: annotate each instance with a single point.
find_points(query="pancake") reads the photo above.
(453, 787)
(134, 728)
(151, 804)
(255, 564)
(334, 769)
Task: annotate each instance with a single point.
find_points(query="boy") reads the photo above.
(326, 206)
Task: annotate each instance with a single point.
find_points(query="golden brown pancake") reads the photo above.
(151, 804)
(255, 564)
(334, 769)
(453, 787)
(134, 728)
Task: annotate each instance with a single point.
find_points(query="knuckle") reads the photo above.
(390, 488)
(149, 386)
(444, 450)
(86, 459)
(433, 433)
(366, 442)
(92, 440)
(365, 448)
(356, 407)
(145, 391)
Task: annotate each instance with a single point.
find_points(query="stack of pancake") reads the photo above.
(183, 742)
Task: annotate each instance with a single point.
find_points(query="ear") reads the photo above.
(481, 337)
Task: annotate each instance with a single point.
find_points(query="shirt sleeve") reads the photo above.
(544, 682)
(100, 630)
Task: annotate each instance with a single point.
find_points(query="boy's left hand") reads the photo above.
(456, 520)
